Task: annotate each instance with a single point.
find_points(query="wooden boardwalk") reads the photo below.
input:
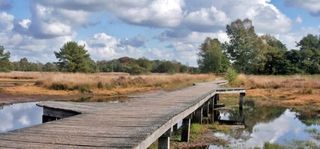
(134, 124)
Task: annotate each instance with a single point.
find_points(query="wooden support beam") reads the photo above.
(174, 127)
(241, 100)
(206, 109)
(214, 113)
(185, 129)
(164, 140)
(216, 99)
(198, 115)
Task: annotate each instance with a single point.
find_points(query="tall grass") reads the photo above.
(87, 82)
(275, 82)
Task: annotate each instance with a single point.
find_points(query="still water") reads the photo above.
(19, 115)
(282, 127)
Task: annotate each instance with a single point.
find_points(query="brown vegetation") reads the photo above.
(95, 84)
(302, 91)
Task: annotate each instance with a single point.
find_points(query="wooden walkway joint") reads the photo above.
(137, 123)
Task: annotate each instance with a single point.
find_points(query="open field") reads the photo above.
(96, 85)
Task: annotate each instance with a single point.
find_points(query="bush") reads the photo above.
(100, 85)
(231, 75)
(83, 88)
(59, 86)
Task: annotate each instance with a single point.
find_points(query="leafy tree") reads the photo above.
(24, 65)
(145, 63)
(242, 48)
(49, 67)
(166, 67)
(74, 58)
(211, 57)
(310, 53)
(274, 61)
(5, 64)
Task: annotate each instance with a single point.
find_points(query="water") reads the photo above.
(285, 129)
(19, 115)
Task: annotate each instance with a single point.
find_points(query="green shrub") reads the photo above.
(231, 75)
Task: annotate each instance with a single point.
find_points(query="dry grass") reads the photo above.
(57, 83)
(292, 90)
(294, 81)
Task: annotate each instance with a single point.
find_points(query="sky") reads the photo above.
(155, 29)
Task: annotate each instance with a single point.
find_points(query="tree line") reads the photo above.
(246, 52)
(73, 57)
(249, 53)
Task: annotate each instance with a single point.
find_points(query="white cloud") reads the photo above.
(291, 38)
(266, 17)
(159, 13)
(25, 23)
(163, 13)
(6, 21)
(206, 19)
(299, 20)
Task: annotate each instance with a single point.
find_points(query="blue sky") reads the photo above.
(156, 29)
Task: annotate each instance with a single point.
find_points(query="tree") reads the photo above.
(5, 64)
(310, 53)
(274, 56)
(49, 67)
(242, 48)
(211, 57)
(74, 58)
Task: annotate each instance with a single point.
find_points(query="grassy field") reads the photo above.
(96, 84)
(295, 91)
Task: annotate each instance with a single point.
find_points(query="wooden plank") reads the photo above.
(133, 124)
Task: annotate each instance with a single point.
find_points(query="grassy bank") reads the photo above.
(96, 84)
(298, 91)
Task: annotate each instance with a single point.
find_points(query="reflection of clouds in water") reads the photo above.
(284, 128)
(19, 115)
(24, 120)
(6, 121)
(281, 130)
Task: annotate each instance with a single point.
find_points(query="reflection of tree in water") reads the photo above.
(253, 115)
(261, 114)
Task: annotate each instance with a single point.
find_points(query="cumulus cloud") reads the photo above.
(313, 6)
(159, 13)
(206, 19)
(137, 41)
(266, 17)
(6, 21)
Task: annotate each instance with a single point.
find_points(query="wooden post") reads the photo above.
(174, 127)
(198, 116)
(185, 129)
(217, 98)
(241, 100)
(214, 115)
(164, 140)
(206, 109)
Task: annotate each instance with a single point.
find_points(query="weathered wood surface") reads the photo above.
(133, 124)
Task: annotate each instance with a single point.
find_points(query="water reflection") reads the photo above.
(284, 130)
(19, 116)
